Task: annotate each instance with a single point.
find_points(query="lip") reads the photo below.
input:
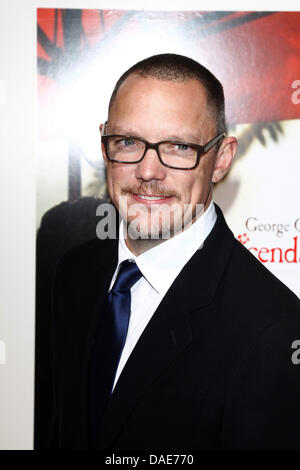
(162, 200)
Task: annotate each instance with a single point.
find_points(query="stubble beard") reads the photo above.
(152, 221)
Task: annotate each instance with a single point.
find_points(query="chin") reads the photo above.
(151, 229)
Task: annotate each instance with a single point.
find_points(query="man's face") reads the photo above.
(159, 110)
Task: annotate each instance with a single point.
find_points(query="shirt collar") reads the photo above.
(162, 264)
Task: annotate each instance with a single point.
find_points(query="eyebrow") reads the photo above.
(192, 138)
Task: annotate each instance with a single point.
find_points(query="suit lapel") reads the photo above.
(169, 331)
(162, 340)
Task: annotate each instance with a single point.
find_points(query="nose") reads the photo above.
(150, 167)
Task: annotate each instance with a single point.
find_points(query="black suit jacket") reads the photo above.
(63, 227)
(213, 368)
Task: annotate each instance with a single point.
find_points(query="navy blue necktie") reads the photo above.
(109, 343)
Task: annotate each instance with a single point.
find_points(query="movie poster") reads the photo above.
(81, 53)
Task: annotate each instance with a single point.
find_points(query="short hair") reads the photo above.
(179, 68)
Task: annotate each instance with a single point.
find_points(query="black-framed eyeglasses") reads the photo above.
(171, 153)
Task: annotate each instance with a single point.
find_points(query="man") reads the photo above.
(172, 335)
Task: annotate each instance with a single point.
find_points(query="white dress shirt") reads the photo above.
(159, 266)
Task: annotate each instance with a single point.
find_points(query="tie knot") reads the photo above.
(129, 274)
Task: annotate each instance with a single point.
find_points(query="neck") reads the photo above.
(139, 246)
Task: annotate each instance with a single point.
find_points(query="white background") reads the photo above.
(17, 186)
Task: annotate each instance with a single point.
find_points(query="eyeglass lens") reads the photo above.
(179, 155)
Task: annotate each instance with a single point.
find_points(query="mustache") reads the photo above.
(152, 187)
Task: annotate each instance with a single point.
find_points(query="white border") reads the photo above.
(234, 5)
(18, 191)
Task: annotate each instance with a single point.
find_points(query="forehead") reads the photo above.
(139, 88)
(153, 105)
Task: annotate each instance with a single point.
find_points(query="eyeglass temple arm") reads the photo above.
(212, 142)
(104, 128)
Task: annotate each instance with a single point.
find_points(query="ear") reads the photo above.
(224, 158)
(101, 128)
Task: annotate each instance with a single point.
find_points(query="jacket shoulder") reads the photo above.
(255, 285)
